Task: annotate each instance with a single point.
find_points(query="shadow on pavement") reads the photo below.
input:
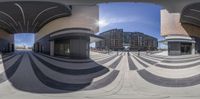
(26, 75)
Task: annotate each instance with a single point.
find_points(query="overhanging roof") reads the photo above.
(191, 14)
(177, 38)
(30, 16)
(93, 38)
(70, 33)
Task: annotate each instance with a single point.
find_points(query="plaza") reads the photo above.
(61, 64)
(121, 75)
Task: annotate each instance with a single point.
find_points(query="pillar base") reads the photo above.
(180, 45)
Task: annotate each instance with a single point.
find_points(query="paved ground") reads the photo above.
(163, 53)
(27, 75)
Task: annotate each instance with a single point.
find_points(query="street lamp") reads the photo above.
(138, 45)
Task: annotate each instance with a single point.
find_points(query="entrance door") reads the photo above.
(186, 48)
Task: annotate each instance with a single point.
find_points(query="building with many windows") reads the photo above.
(113, 39)
(143, 42)
(117, 39)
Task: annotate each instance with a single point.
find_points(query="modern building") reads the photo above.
(117, 39)
(181, 36)
(179, 23)
(60, 29)
(142, 42)
(127, 39)
(113, 39)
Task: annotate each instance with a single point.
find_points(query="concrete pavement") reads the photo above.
(25, 74)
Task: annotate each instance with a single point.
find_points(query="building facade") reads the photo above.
(142, 42)
(181, 30)
(60, 29)
(179, 22)
(113, 39)
(116, 39)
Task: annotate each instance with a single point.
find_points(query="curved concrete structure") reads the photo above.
(49, 20)
(21, 18)
(25, 74)
(77, 29)
(177, 18)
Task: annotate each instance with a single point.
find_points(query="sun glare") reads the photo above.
(102, 23)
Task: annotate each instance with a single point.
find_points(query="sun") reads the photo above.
(102, 23)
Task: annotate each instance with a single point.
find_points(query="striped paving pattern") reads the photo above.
(103, 76)
(158, 72)
(63, 76)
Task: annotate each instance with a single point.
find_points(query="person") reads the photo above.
(128, 53)
(138, 52)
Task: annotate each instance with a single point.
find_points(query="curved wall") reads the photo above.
(82, 17)
(171, 25)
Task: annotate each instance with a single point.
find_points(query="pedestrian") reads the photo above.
(138, 52)
(128, 53)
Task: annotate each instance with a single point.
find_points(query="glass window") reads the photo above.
(62, 47)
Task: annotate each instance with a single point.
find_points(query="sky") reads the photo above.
(131, 17)
(24, 39)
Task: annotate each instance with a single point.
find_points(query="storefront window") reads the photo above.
(62, 47)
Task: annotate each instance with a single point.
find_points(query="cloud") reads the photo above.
(116, 20)
(24, 39)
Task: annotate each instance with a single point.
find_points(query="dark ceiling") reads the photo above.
(30, 16)
(191, 14)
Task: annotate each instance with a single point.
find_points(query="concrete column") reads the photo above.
(172, 26)
(52, 48)
(10, 49)
(193, 48)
